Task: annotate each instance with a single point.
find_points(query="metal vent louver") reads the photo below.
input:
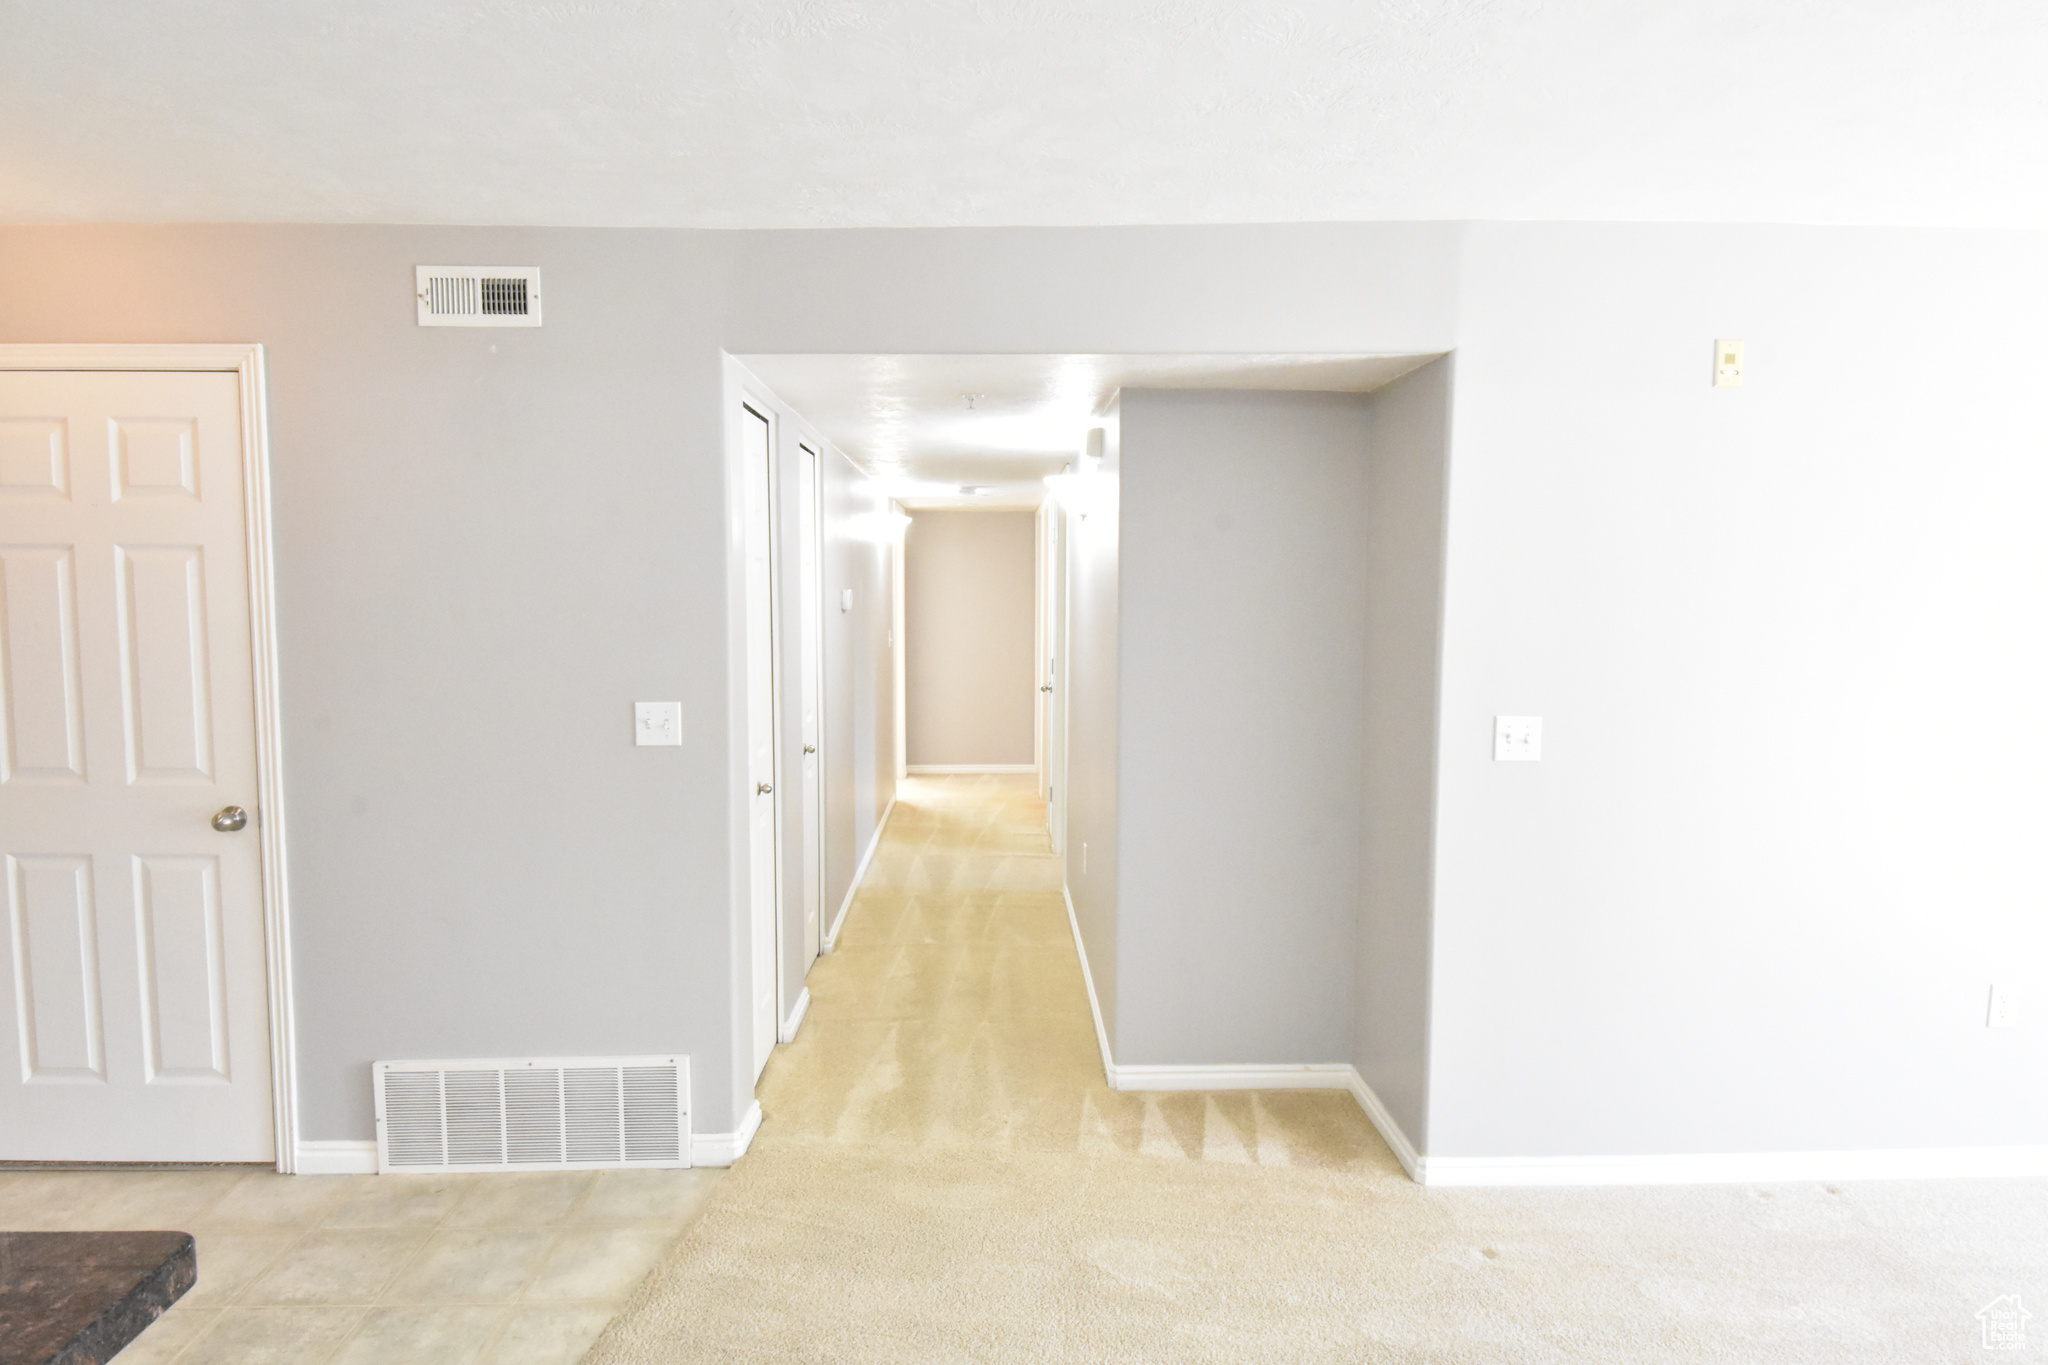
(533, 1114)
(478, 295)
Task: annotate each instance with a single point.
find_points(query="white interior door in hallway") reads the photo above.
(137, 1013)
(810, 683)
(1052, 686)
(757, 444)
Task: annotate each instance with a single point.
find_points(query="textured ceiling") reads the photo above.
(906, 420)
(812, 113)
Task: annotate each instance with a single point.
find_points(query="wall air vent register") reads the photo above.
(478, 295)
(533, 1114)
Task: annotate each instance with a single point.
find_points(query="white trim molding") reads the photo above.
(1088, 980)
(795, 1020)
(961, 769)
(1328, 1076)
(1323, 1076)
(1334, 1076)
(1741, 1168)
(859, 875)
(1932, 1163)
(1390, 1132)
(723, 1149)
(348, 1156)
(270, 815)
(245, 361)
(229, 356)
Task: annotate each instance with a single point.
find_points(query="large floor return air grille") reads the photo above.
(533, 1114)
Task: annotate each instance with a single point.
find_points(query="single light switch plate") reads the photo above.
(1517, 739)
(657, 722)
(1727, 364)
(846, 599)
(2002, 1014)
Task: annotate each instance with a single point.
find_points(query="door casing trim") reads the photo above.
(245, 361)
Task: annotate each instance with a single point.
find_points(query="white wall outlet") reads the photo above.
(1727, 364)
(1517, 739)
(657, 722)
(2001, 1013)
(846, 599)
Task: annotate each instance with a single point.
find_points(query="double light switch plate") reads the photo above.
(1517, 739)
(657, 722)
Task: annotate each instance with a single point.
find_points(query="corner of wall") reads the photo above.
(1407, 483)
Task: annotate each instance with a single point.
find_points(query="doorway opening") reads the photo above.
(963, 543)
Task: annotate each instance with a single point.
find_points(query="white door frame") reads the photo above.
(1041, 607)
(897, 664)
(743, 398)
(811, 681)
(1056, 781)
(777, 614)
(790, 437)
(245, 361)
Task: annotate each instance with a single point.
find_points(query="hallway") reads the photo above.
(953, 1015)
(942, 1175)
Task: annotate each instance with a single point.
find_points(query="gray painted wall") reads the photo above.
(1242, 655)
(1719, 915)
(1304, 287)
(969, 608)
(1788, 643)
(489, 544)
(1405, 474)
(1090, 677)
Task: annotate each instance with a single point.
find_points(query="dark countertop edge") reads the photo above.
(100, 1340)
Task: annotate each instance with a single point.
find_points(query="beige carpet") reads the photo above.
(943, 1176)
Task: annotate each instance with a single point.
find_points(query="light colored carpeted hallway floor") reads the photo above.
(943, 1176)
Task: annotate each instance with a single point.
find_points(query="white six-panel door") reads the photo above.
(135, 1025)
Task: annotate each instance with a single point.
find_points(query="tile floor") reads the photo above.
(519, 1269)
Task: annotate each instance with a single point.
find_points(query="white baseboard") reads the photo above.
(1743, 1168)
(859, 873)
(1923, 1163)
(1716, 1168)
(1713, 1168)
(1389, 1131)
(1320, 1076)
(1324, 1076)
(351, 1156)
(945, 769)
(1332, 1076)
(796, 1016)
(1088, 980)
(722, 1149)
